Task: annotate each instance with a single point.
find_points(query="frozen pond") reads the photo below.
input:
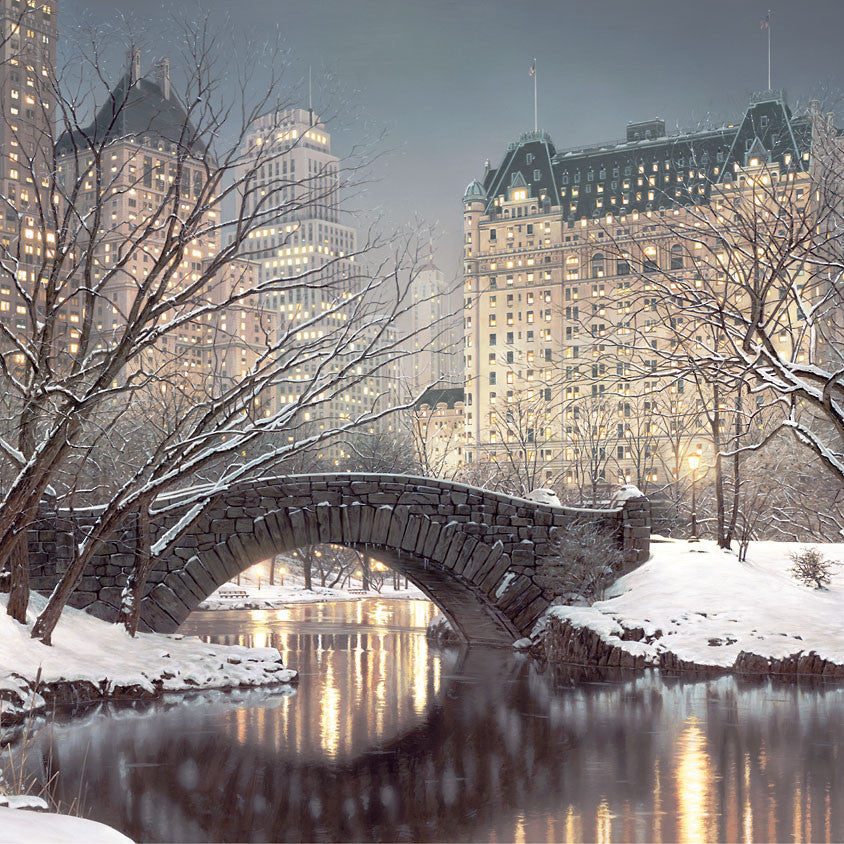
(390, 739)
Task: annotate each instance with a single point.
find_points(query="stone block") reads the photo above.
(424, 526)
(513, 591)
(465, 552)
(381, 525)
(111, 595)
(80, 600)
(323, 516)
(367, 519)
(156, 618)
(453, 549)
(186, 588)
(480, 554)
(301, 537)
(443, 543)
(335, 533)
(411, 533)
(200, 575)
(102, 611)
(397, 527)
(525, 620)
(170, 602)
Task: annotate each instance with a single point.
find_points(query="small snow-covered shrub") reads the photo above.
(584, 563)
(811, 567)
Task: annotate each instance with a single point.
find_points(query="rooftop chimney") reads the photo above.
(162, 77)
(134, 64)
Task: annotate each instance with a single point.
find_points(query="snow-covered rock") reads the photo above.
(696, 605)
(92, 660)
(440, 631)
(625, 493)
(544, 496)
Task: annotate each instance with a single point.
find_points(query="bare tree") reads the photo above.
(748, 287)
(128, 290)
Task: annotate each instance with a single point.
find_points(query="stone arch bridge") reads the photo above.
(471, 551)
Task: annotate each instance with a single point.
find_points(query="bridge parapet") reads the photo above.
(472, 551)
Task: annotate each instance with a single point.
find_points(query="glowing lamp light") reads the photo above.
(694, 461)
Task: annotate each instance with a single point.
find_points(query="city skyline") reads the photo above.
(451, 85)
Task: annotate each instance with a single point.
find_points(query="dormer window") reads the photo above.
(529, 158)
(763, 121)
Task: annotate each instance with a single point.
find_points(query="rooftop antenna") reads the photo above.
(766, 25)
(535, 111)
(310, 103)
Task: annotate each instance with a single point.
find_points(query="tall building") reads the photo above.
(27, 71)
(302, 238)
(434, 331)
(556, 246)
(142, 146)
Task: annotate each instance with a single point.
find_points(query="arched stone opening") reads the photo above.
(459, 573)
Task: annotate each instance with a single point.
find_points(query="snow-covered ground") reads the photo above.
(700, 603)
(103, 655)
(25, 827)
(230, 596)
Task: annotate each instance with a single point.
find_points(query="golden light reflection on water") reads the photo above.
(361, 687)
(694, 785)
(533, 763)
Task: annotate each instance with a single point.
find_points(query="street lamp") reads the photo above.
(694, 462)
(282, 571)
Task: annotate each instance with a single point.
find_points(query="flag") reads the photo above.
(533, 68)
(766, 22)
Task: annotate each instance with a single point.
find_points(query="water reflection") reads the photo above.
(388, 740)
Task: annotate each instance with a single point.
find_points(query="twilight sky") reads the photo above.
(448, 79)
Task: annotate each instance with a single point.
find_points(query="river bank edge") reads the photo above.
(696, 608)
(37, 678)
(564, 643)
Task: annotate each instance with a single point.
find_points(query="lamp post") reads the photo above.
(282, 571)
(694, 462)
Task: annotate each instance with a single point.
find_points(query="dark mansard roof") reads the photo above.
(767, 130)
(138, 112)
(433, 396)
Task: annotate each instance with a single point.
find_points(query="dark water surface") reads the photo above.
(388, 739)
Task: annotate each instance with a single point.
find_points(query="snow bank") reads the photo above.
(699, 603)
(274, 597)
(23, 826)
(100, 660)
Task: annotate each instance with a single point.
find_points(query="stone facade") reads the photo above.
(473, 552)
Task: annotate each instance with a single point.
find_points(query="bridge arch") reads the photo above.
(454, 570)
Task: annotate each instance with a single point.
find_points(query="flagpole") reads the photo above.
(535, 112)
(769, 49)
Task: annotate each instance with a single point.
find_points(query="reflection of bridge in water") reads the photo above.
(501, 754)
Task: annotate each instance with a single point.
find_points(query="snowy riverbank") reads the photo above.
(248, 596)
(92, 660)
(694, 606)
(23, 825)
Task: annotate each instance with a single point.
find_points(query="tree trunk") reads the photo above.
(272, 571)
(364, 570)
(19, 580)
(734, 512)
(306, 556)
(133, 592)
